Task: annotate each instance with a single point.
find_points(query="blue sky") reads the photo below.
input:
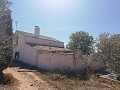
(60, 18)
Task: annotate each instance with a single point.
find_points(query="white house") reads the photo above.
(44, 52)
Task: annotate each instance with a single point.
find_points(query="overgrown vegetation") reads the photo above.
(108, 49)
(8, 79)
(60, 75)
(105, 51)
(5, 36)
(65, 82)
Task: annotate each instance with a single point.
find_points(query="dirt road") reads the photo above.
(28, 80)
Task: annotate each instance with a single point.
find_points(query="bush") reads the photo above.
(8, 79)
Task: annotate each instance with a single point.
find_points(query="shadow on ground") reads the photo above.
(23, 66)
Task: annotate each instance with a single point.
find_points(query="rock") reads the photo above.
(31, 85)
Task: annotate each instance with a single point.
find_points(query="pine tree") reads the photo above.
(5, 35)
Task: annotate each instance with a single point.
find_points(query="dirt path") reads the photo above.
(28, 80)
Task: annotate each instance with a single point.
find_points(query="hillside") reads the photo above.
(30, 79)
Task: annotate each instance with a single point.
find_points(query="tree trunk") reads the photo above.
(1, 75)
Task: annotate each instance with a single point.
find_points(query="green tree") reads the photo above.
(109, 50)
(5, 35)
(6, 24)
(81, 40)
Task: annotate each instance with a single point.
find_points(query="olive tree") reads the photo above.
(109, 50)
(82, 41)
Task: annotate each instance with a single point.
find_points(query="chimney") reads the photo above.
(37, 30)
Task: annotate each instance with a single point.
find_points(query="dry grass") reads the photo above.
(8, 79)
(8, 82)
(115, 85)
(64, 82)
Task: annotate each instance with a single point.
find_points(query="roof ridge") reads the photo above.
(40, 36)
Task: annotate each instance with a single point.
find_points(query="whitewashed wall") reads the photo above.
(27, 54)
(58, 61)
(20, 47)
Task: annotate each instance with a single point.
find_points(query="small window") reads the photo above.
(17, 54)
(16, 40)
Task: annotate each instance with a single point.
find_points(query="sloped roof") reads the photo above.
(52, 49)
(38, 47)
(26, 34)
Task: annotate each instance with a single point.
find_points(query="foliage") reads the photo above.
(81, 41)
(5, 35)
(109, 50)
